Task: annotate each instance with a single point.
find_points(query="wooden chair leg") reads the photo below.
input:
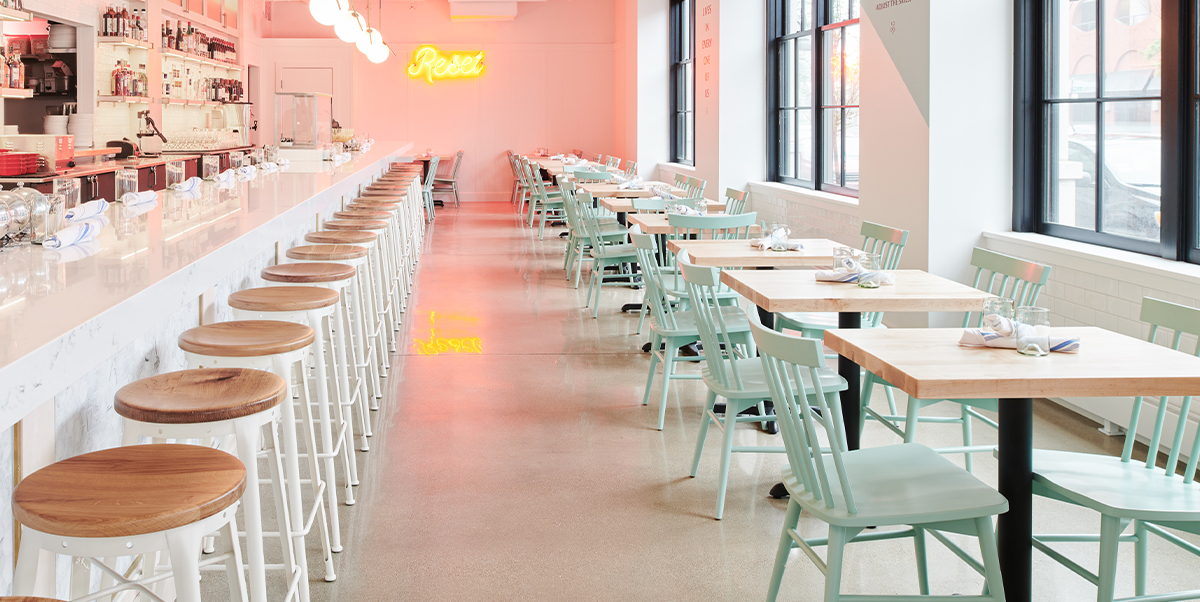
(922, 561)
(655, 340)
(838, 538)
(991, 556)
(668, 371)
(1141, 555)
(730, 422)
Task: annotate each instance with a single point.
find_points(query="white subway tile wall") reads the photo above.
(807, 219)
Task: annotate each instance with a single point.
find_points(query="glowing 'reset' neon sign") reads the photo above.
(430, 63)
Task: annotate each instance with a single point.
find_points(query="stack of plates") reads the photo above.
(81, 128)
(55, 125)
(62, 36)
(11, 130)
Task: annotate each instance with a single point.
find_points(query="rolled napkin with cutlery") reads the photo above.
(189, 184)
(132, 211)
(188, 195)
(685, 210)
(87, 210)
(663, 192)
(848, 276)
(283, 161)
(768, 242)
(225, 176)
(269, 166)
(72, 253)
(134, 198)
(247, 170)
(1003, 335)
(76, 233)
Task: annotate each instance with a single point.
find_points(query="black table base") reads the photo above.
(1014, 531)
(851, 397)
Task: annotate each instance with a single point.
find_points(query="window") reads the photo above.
(1091, 161)
(813, 93)
(683, 82)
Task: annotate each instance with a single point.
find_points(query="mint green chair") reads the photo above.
(681, 182)
(730, 371)
(1003, 276)
(614, 162)
(533, 182)
(549, 201)
(578, 243)
(585, 177)
(1123, 491)
(631, 168)
(696, 187)
(735, 201)
(711, 227)
(604, 253)
(648, 205)
(905, 485)
(670, 326)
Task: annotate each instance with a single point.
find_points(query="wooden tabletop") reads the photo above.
(625, 205)
(817, 252)
(557, 167)
(798, 290)
(602, 191)
(656, 223)
(928, 363)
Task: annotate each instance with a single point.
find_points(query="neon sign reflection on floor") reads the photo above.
(437, 345)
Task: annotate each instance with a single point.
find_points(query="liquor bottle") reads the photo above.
(179, 34)
(166, 86)
(143, 81)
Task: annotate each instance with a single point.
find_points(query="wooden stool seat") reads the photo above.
(202, 395)
(354, 224)
(126, 491)
(331, 252)
(309, 272)
(363, 214)
(373, 206)
(383, 194)
(341, 237)
(389, 198)
(283, 298)
(247, 338)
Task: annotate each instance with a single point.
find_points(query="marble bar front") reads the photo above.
(75, 327)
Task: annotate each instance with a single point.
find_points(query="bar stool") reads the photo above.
(367, 327)
(381, 264)
(313, 307)
(221, 403)
(134, 501)
(393, 238)
(405, 239)
(338, 277)
(411, 217)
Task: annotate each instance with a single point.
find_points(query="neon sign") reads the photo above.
(430, 63)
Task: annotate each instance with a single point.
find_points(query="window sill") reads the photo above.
(1117, 258)
(678, 167)
(796, 193)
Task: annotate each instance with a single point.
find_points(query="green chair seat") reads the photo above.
(1110, 486)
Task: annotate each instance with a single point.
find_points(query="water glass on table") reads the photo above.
(869, 275)
(780, 233)
(996, 306)
(843, 259)
(1033, 331)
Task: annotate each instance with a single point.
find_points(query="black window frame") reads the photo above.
(776, 40)
(683, 98)
(1180, 110)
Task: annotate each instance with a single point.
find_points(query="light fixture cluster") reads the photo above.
(351, 26)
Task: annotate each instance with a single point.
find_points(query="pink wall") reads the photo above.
(549, 82)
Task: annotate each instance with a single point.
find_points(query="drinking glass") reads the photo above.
(868, 270)
(997, 306)
(211, 166)
(175, 173)
(70, 189)
(780, 234)
(235, 159)
(1033, 331)
(127, 181)
(702, 206)
(843, 259)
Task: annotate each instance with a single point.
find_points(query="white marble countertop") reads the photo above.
(60, 319)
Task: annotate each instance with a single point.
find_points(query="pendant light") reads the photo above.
(379, 52)
(372, 44)
(325, 12)
(350, 27)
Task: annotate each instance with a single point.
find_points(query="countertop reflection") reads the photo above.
(63, 311)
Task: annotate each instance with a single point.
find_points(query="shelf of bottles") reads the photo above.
(121, 26)
(190, 44)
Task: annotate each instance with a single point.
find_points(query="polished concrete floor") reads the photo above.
(512, 459)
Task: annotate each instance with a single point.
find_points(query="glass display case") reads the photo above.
(303, 120)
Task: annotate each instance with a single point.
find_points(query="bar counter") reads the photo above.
(62, 317)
